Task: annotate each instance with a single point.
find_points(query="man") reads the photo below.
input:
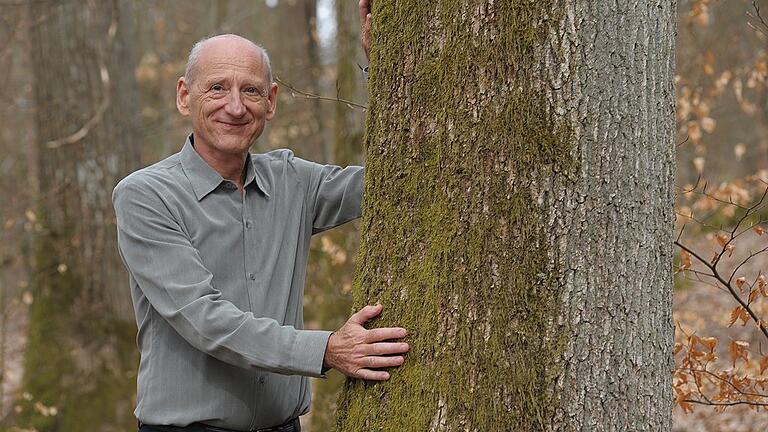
(216, 240)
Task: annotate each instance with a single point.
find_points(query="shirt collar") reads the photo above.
(205, 179)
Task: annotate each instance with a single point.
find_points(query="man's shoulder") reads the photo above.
(282, 158)
(160, 174)
(275, 158)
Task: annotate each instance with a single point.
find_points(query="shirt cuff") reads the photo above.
(309, 347)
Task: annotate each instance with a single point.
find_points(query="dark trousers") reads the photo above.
(290, 426)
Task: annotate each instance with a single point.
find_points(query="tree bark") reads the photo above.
(80, 359)
(518, 215)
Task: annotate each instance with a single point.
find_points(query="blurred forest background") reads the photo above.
(89, 91)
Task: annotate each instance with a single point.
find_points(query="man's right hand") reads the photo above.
(356, 351)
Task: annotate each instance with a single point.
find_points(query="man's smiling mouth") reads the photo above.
(225, 123)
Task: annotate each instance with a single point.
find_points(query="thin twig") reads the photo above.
(725, 403)
(687, 137)
(308, 95)
(723, 380)
(757, 15)
(700, 221)
(699, 279)
(728, 286)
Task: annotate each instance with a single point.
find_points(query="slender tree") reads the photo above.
(296, 62)
(80, 360)
(518, 215)
(331, 267)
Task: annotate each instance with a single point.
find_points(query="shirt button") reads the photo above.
(229, 186)
(248, 224)
(252, 276)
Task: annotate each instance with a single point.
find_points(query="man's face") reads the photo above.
(228, 96)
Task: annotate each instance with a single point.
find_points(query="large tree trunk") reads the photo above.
(518, 215)
(81, 355)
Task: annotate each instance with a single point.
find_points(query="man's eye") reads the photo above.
(217, 87)
(252, 91)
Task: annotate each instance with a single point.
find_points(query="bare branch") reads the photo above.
(716, 274)
(685, 191)
(734, 403)
(308, 95)
(757, 16)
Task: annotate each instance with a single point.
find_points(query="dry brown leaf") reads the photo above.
(678, 347)
(735, 314)
(753, 295)
(744, 317)
(722, 239)
(738, 350)
(708, 124)
(763, 367)
(685, 260)
(687, 407)
(709, 342)
(740, 283)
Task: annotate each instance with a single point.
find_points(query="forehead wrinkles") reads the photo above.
(248, 69)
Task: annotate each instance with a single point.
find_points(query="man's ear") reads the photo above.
(182, 97)
(272, 101)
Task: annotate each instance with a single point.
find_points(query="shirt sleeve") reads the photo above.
(170, 272)
(338, 195)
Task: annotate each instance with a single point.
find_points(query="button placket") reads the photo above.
(248, 240)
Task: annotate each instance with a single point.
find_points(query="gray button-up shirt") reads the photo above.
(217, 281)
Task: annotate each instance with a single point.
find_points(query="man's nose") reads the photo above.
(235, 106)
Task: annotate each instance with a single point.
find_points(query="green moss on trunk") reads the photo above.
(453, 244)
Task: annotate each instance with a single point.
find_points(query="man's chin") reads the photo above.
(235, 143)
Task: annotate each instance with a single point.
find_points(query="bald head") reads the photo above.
(225, 42)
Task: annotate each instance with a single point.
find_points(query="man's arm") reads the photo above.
(337, 195)
(170, 272)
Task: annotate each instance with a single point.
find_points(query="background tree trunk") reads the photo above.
(296, 61)
(350, 85)
(18, 188)
(80, 360)
(518, 215)
(331, 267)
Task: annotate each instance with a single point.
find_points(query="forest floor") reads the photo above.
(705, 310)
